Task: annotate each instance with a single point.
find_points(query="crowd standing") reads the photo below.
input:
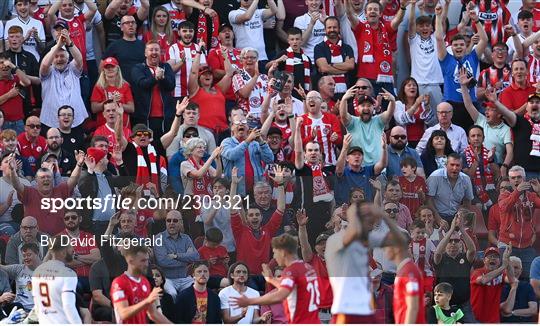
(298, 181)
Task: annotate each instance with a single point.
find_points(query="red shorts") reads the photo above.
(353, 319)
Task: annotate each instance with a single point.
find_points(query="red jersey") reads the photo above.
(40, 14)
(32, 151)
(216, 61)
(177, 15)
(100, 95)
(389, 13)
(211, 109)
(534, 69)
(108, 132)
(536, 18)
(127, 288)
(485, 298)
(494, 16)
(411, 198)
(83, 246)
(409, 282)
(302, 304)
(163, 40)
(513, 97)
(492, 75)
(324, 128)
(13, 108)
(286, 133)
(325, 289)
(220, 252)
(77, 33)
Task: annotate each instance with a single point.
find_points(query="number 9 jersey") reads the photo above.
(53, 287)
(302, 304)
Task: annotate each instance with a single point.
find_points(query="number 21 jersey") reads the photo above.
(302, 304)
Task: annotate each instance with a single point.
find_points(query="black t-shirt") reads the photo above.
(99, 277)
(298, 70)
(322, 50)
(27, 62)
(432, 317)
(457, 272)
(303, 190)
(522, 133)
(74, 140)
(112, 27)
(128, 54)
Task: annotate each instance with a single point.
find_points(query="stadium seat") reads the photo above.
(480, 229)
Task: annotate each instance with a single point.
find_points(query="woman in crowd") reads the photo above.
(160, 31)
(434, 156)
(166, 301)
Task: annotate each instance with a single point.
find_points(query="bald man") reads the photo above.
(398, 150)
(29, 233)
(66, 160)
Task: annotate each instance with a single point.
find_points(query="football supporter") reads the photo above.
(207, 21)
(422, 250)
(29, 233)
(400, 147)
(495, 76)
(73, 136)
(298, 279)
(115, 16)
(311, 24)
(66, 160)
(515, 96)
(160, 31)
(54, 287)
(112, 118)
(518, 301)
(33, 31)
(132, 296)
(413, 186)
(12, 80)
(525, 26)
(442, 311)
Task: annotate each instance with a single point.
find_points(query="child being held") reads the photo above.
(442, 312)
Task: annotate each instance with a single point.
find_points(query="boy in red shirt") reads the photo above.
(487, 284)
(11, 79)
(213, 252)
(413, 186)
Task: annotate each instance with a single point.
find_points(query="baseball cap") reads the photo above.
(204, 69)
(224, 26)
(139, 127)
(491, 251)
(534, 95)
(46, 156)
(61, 23)
(364, 98)
(274, 131)
(355, 149)
(110, 61)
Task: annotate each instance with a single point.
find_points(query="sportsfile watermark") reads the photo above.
(114, 202)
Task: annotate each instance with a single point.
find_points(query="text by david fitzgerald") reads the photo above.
(104, 240)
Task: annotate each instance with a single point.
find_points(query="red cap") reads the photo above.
(491, 251)
(97, 153)
(204, 69)
(110, 61)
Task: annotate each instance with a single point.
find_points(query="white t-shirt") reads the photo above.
(250, 33)
(316, 37)
(30, 44)
(54, 286)
(96, 20)
(425, 67)
(297, 105)
(1, 31)
(229, 292)
(512, 48)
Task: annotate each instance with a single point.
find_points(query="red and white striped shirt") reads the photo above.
(256, 97)
(177, 16)
(177, 51)
(324, 127)
(534, 69)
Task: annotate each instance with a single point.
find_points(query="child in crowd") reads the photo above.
(442, 312)
(433, 231)
(422, 250)
(217, 257)
(413, 186)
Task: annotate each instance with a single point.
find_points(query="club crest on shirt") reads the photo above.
(385, 66)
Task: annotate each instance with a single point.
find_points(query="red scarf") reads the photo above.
(421, 259)
(381, 62)
(335, 53)
(482, 182)
(493, 75)
(321, 188)
(289, 67)
(535, 136)
(534, 69)
(143, 174)
(233, 58)
(202, 30)
(495, 32)
(202, 185)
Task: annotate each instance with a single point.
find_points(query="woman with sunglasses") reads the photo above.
(160, 31)
(111, 85)
(434, 156)
(413, 111)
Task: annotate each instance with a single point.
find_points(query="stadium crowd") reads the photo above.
(294, 179)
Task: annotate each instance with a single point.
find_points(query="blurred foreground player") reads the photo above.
(54, 286)
(131, 292)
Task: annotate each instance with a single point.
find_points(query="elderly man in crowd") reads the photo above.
(29, 234)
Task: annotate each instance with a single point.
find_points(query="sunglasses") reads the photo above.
(143, 133)
(71, 217)
(32, 126)
(240, 122)
(455, 240)
(399, 137)
(509, 188)
(391, 210)
(190, 135)
(363, 87)
(172, 220)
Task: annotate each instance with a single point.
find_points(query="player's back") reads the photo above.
(50, 281)
(302, 305)
(132, 290)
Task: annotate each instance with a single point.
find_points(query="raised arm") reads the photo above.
(383, 161)
(46, 62)
(509, 116)
(467, 101)
(144, 10)
(302, 218)
(342, 159)
(398, 18)
(306, 34)
(271, 10)
(483, 43)
(199, 173)
(76, 173)
(344, 115)
(298, 145)
(389, 113)
(119, 128)
(351, 14)
(240, 19)
(439, 34)
(168, 138)
(412, 20)
(193, 82)
(92, 9)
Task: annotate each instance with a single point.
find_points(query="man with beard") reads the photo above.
(54, 287)
(60, 81)
(452, 63)
(199, 305)
(66, 160)
(496, 133)
(73, 138)
(181, 56)
(333, 57)
(526, 131)
(487, 284)
(31, 145)
(153, 82)
(33, 31)
(367, 128)
(85, 253)
(132, 297)
(114, 18)
(398, 150)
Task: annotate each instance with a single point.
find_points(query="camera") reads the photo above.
(281, 79)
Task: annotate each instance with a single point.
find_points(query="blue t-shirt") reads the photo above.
(351, 179)
(524, 295)
(450, 69)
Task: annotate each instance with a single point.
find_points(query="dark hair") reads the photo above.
(226, 183)
(198, 264)
(192, 106)
(332, 18)
(214, 235)
(417, 224)
(233, 267)
(98, 138)
(401, 94)
(356, 189)
(457, 37)
(393, 183)
(377, 2)
(444, 288)
(423, 20)
(64, 107)
(408, 161)
(475, 127)
(518, 60)
(294, 31)
(4, 55)
(501, 44)
(525, 14)
(285, 242)
(186, 24)
(30, 246)
(454, 155)
(447, 147)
